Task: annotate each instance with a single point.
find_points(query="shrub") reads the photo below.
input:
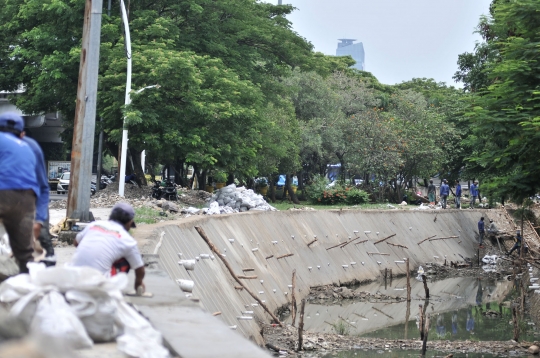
(220, 177)
(315, 190)
(357, 196)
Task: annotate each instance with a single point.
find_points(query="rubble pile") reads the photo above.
(286, 339)
(231, 199)
(329, 292)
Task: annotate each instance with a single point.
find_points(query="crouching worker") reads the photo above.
(108, 247)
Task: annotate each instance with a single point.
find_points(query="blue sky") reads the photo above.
(402, 39)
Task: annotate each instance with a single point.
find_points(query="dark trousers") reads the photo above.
(515, 247)
(45, 238)
(17, 212)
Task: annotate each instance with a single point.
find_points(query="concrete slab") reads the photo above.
(188, 330)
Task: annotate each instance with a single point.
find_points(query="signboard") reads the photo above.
(56, 168)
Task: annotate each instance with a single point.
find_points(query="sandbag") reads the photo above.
(96, 311)
(55, 319)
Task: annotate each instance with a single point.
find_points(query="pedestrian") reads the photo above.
(474, 193)
(431, 190)
(458, 195)
(481, 231)
(18, 191)
(444, 192)
(108, 247)
(41, 222)
(517, 245)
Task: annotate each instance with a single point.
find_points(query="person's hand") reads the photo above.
(37, 229)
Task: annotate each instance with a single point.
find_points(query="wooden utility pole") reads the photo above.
(82, 148)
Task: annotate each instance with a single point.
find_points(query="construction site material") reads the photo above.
(231, 199)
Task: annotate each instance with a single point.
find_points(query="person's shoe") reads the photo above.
(49, 260)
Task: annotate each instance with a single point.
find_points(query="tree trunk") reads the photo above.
(179, 172)
(135, 156)
(301, 185)
(272, 195)
(230, 179)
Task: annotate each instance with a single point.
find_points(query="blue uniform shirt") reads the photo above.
(445, 189)
(481, 226)
(17, 163)
(42, 204)
(458, 190)
(474, 190)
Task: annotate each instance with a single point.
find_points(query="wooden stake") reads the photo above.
(247, 277)
(248, 269)
(421, 322)
(301, 325)
(348, 242)
(359, 315)
(269, 257)
(398, 245)
(378, 310)
(361, 242)
(333, 247)
(378, 253)
(293, 298)
(238, 287)
(216, 313)
(283, 256)
(231, 271)
(424, 343)
(407, 316)
(426, 239)
(444, 238)
(408, 280)
(381, 240)
(426, 289)
(311, 243)
(516, 325)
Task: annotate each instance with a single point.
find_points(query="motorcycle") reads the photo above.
(169, 192)
(157, 192)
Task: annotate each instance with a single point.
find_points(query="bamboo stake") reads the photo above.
(247, 277)
(311, 243)
(359, 315)
(378, 310)
(426, 289)
(231, 271)
(386, 238)
(397, 245)
(283, 256)
(238, 288)
(408, 280)
(378, 253)
(269, 257)
(301, 325)
(444, 238)
(421, 322)
(293, 298)
(424, 342)
(248, 269)
(361, 242)
(333, 247)
(426, 239)
(348, 242)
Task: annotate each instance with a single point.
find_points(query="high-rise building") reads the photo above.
(347, 47)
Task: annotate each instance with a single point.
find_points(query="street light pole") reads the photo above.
(123, 155)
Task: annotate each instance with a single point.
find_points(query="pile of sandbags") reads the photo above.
(231, 199)
(77, 306)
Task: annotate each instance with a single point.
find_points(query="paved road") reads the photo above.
(54, 197)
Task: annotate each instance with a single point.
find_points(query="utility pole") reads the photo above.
(85, 115)
(100, 143)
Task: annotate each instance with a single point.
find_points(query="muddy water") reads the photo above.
(457, 308)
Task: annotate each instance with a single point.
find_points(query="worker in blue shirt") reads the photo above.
(18, 191)
(444, 192)
(474, 193)
(41, 222)
(458, 195)
(481, 230)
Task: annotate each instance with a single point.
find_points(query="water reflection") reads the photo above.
(459, 309)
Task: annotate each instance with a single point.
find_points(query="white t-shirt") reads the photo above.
(102, 243)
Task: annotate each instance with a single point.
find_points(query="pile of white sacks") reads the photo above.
(75, 307)
(231, 199)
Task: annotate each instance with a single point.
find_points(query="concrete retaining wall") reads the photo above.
(215, 287)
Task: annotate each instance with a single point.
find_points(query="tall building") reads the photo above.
(347, 47)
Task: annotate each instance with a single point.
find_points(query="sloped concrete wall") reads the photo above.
(215, 287)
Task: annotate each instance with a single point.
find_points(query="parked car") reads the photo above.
(63, 184)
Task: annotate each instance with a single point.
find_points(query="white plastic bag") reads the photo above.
(55, 319)
(96, 311)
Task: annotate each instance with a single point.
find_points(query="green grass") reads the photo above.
(148, 216)
(286, 205)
